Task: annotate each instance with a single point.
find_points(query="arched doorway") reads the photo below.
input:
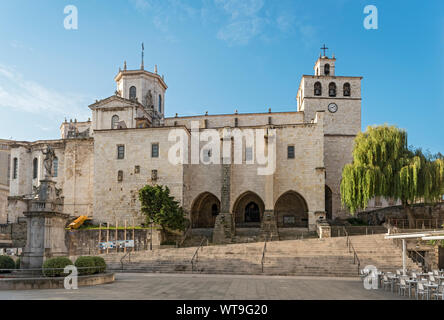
(252, 213)
(328, 203)
(291, 210)
(204, 210)
(248, 209)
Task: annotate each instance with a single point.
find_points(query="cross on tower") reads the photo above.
(324, 48)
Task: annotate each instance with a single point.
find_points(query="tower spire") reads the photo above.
(142, 66)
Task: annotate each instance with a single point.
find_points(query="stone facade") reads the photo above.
(4, 179)
(103, 162)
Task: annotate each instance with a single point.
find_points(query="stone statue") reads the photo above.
(149, 99)
(49, 160)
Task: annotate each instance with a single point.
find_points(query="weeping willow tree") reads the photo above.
(383, 165)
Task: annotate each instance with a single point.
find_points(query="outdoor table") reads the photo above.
(430, 287)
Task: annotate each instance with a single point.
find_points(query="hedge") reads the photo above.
(6, 263)
(86, 262)
(100, 264)
(17, 263)
(90, 264)
(58, 263)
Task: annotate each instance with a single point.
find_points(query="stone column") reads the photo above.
(268, 220)
(224, 226)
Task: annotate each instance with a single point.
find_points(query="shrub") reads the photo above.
(86, 262)
(58, 263)
(100, 264)
(17, 263)
(6, 263)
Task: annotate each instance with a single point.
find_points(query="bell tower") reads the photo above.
(340, 98)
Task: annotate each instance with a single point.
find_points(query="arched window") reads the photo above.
(347, 90)
(317, 89)
(114, 121)
(55, 167)
(332, 89)
(326, 69)
(160, 103)
(132, 93)
(14, 168)
(34, 168)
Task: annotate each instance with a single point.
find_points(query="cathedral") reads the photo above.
(101, 163)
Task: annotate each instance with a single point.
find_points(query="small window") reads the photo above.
(290, 152)
(154, 175)
(347, 90)
(120, 176)
(155, 150)
(160, 103)
(55, 167)
(326, 69)
(120, 152)
(317, 89)
(14, 168)
(137, 169)
(248, 154)
(132, 93)
(114, 121)
(35, 168)
(332, 89)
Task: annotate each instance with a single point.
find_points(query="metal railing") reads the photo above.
(185, 236)
(40, 272)
(420, 259)
(127, 254)
(419, 223)
(263, 254)
(351, 249)
(194, 259)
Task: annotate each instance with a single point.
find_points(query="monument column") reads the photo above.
(268, 220)
(224, 227)
(45, 221)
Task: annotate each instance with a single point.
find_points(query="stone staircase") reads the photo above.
(308, 257)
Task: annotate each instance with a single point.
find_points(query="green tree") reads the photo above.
(384, 165)
(161, 208)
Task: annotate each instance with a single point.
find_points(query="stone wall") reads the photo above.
(118, 200)
(17, 232)
(421, 211)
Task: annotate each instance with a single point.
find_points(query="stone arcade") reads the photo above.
(100, 164)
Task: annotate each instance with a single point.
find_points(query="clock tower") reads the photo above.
(340, 98)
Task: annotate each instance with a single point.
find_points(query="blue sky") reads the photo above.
(219, 56)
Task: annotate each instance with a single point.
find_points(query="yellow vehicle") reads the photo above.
(78, 222)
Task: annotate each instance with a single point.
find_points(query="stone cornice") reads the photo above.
(98, 104)
(140, 72)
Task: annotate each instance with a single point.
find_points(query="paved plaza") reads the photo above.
(149, 286)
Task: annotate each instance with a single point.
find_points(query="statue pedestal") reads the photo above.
(45, 227)
(46, 238)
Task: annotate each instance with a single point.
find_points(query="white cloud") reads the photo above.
(20, 94)
(240, 32)
(244, 23)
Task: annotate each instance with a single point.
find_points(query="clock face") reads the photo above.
(332, 107)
